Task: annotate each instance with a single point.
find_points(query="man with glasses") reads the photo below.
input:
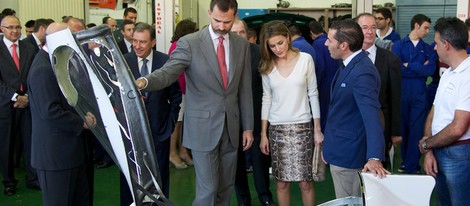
(15, 116)
(383, 18)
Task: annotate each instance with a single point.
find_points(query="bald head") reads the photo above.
(55, 27)
(75, 24)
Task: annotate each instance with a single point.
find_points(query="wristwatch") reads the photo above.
(425, 144)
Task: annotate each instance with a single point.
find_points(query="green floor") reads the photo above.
(181, 189)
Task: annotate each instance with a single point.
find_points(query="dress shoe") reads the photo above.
(9, 190)
(268, 203)
(104, 164)
(179, 165)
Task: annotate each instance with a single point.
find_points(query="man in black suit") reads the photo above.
(127, 29)
(15, 117)
(162, 105)
(130, 14)
(260, 161)
(38, 37)
(389, 69)
(59, 147)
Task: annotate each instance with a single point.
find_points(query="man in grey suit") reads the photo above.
(218, 100)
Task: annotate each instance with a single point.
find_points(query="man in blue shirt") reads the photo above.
(418, 62)
(325, 68)
(299, 42)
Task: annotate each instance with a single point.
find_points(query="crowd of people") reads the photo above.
(357, 90)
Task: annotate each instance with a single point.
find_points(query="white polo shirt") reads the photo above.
(452, 94)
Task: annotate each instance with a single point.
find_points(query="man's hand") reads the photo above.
(264, 144)
(396, 140)
(22, 102)
(430, 164)
(376, 168)
(420, 145)
(90, 121)
(141, 83)
(247, 139)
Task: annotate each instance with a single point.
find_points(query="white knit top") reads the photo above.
(292, 99)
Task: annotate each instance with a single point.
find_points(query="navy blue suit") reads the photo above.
(353, 131)
(162, 110)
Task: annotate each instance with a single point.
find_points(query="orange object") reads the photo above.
(108, 4)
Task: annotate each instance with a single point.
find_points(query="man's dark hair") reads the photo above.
(350, 32)
(316, 27)
(294, 30)
(129, 9)
(90, 25)
(225, 5)
(125, 22)
(9, 12)
(386, 12)
(42, 23)
(250, 32)
(420, 19)
(453, 30)
(467, 23)
(29, 23)
(105, 19)
(141, 27)
(185, 26)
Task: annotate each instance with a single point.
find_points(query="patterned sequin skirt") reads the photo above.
(291, 148)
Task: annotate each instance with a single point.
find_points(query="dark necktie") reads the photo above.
(144, 71)
(221, 60)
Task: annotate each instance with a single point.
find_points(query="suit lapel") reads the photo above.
(234, 52)
(9, 60)
(379, 59)
(207, 48)
(342, 74)
(134, 65)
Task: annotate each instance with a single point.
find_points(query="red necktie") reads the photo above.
(221, 60)
(16, 59)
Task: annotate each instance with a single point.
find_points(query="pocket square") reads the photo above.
(343, 84)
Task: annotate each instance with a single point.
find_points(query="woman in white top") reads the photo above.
(290, 101)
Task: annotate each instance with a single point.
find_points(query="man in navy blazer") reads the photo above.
(353, 135)
(162, 105)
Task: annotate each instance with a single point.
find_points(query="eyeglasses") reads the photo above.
(12, 27)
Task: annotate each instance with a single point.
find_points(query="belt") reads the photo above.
(467, 141)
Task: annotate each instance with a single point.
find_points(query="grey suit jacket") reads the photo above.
(208, 105)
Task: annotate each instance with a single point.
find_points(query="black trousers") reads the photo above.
(17, 125)
(65, 187)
